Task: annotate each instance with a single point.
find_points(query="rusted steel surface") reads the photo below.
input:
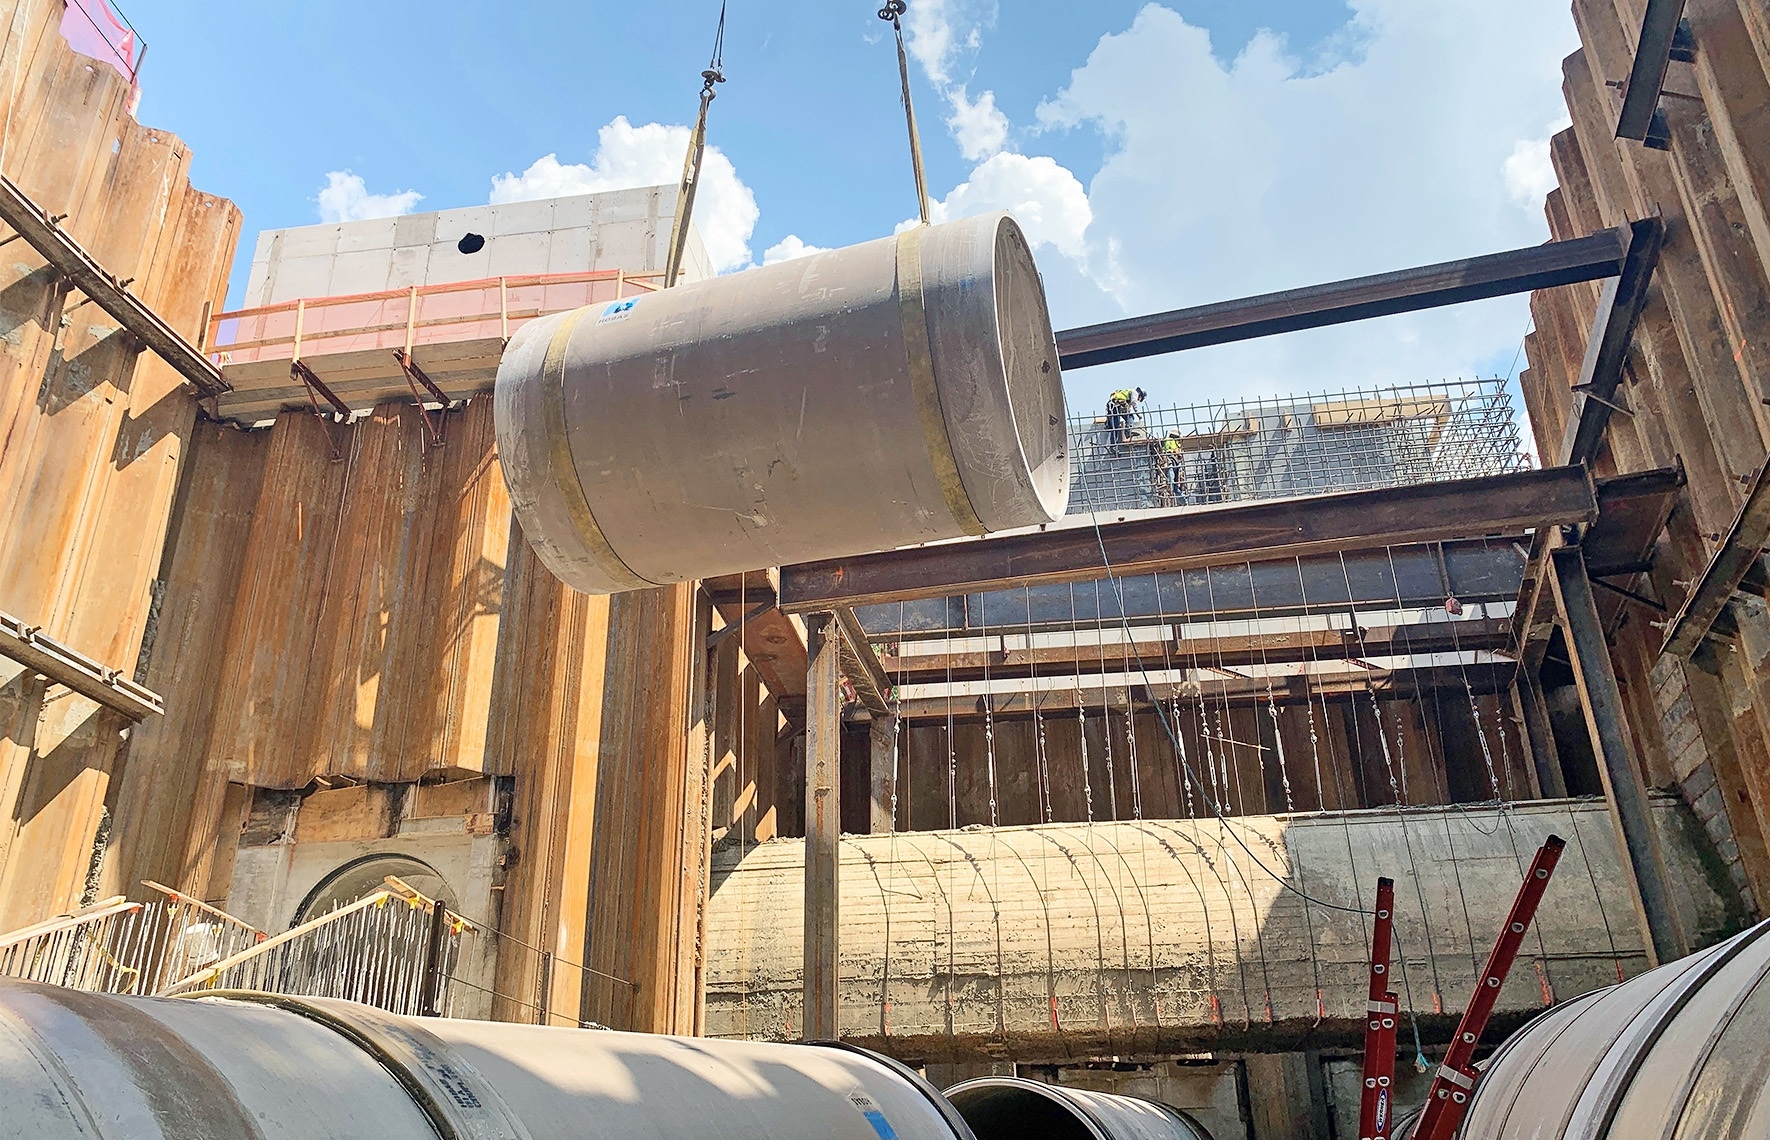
(93, 429)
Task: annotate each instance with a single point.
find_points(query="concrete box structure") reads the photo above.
(619, 229)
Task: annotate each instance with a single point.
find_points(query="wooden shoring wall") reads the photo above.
(351, 603)
(1433, 748)
(92, 432)
(1697, 383)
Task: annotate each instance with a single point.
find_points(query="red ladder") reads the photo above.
(1374, 1108)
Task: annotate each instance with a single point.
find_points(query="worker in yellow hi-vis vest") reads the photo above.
(1121, 413)
(1173, 469)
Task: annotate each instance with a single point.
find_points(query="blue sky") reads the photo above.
(1161, 155)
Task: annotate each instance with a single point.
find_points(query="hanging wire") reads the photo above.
(891, 13)
(691, 162)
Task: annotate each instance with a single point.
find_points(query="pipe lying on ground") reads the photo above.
(1010, 1108)
(1681, 1052)
(248, 1066)
(900, 391)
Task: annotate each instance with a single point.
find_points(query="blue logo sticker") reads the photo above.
(617, 310)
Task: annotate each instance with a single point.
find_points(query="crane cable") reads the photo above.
(891, 13)
(691, 163)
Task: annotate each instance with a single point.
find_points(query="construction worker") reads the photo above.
(1172, 460)
(1121, 411)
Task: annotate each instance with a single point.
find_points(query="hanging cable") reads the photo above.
(691, 163)
(891, 13)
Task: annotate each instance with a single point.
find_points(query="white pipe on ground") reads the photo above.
(1680, 1052)
(900, 391)
(248, 1066)
(1009, 1108)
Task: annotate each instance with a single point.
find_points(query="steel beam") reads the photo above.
(1360, 298)
(1727, 570)
(68, 258)
(823, 827)
(68, 666)
(861, 665)
(1647, 74)
(1075, 551)
(1601, 700)
(1607, 343)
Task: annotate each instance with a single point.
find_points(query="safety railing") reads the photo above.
(120, 946)
(445, 313)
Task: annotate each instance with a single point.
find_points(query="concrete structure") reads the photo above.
(903, 390)
(1160, 937)
(627, 230)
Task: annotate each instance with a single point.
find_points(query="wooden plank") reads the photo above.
(1602, 703)
(105, 289)
(1360, 298)
(1071, 551)
(823, 830)
(66, 666)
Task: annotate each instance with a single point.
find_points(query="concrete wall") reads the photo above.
(1155, 937)
(619, 229)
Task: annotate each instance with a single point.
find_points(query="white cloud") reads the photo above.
(979, 128)
(789, 248)
(1528, 172)
(1230, 177)
(344, 198)
(627, 156)
(1044, 197)
(938, 32)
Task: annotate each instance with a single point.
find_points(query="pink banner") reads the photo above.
(92, 28)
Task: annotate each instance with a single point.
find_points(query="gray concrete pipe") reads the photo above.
(1681, 1052)
(246, 1067)
(896, 392)
(1009, 1108)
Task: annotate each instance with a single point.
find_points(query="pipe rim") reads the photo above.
(948, 1111)
(1034, 384)
(1101, 1129)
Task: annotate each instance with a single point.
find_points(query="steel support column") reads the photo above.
(1601, 701)
(823, 825)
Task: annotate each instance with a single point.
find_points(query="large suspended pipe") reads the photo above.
(249, 1066)
(1681, 1052)
(1010, 1108)
(900, 391)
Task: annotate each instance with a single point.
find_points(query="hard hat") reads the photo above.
(1140, 394)
(1173, 435)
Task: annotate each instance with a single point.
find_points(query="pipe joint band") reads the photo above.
(559, 454)
(921, 362)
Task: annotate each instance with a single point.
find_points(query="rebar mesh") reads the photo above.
(1266, 448)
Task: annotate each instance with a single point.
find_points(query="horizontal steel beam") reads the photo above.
(1360, 298)
(66, 666)
(1076, 551)
(67, 258)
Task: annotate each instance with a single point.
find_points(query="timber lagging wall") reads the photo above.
(1697, 382)
(92, 432)
(318, 604)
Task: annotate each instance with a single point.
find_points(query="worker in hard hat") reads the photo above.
(1173, 469)
(1122, 407)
